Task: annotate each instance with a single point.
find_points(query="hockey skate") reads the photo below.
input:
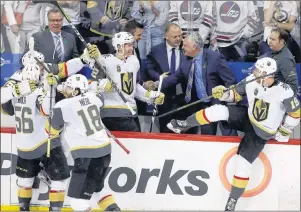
(24, 206)
(177, 126)
(113, 207)
(231, 203)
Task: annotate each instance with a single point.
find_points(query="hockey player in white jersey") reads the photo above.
(78, 116)
(273, 112)
(192, 16)
(122, 69)
(15, 87)
(28, 98)
(236, 22)
(30, 113)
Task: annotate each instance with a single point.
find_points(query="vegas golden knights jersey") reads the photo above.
(124, 75)
(79, 118)
(268, 105)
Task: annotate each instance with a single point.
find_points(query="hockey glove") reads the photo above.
(105, 85)
(218, 92)
(93, 51)
(156, 99)
(160, 99)
(89, 54)
(50, 80)
(283, 133)
(24, 88)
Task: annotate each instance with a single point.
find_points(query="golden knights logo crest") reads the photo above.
(260, 110)
(127, 82)
(114, 10)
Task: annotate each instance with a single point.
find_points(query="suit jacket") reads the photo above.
(44, 43)
(159, 53)
(215, 70)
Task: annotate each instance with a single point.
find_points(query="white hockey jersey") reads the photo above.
(79, 118)
(124, 74)
(192, 16)
(30, 115)
(234, 20)
(268, 106)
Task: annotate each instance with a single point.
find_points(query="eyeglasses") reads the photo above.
(55, 20)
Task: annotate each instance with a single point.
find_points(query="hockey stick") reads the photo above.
(155, 109)
(98, 63)
(50, 108)
(115, 139)
(211, 96)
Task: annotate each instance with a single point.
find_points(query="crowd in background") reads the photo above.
(237, 30)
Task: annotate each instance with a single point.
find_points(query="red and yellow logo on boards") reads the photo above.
(252, 192)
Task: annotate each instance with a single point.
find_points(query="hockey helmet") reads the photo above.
(77, 81)
(31, 71)
(121, 38)
(266, 66)
(29, 56)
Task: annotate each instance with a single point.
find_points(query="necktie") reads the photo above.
(173, 61)
(189, 84)
(58, 48)
(199, 81)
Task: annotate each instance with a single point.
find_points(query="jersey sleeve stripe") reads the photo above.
(42, 111)
(63, 72)
(295, 114)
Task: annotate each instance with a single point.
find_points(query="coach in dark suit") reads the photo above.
(203, 71)
(169, 58)
(56, 45)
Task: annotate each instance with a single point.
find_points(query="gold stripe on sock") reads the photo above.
(25, 192)
(201, 117)
(56, 196)
(106, 202)
(240, 182)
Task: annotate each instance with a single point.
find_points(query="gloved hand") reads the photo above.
(93, 51)
(89, 55)
(106, 85)
(24, 88)
(149, 85)
(158, 99)
(283, 134)
(218, 92)
(50, 80)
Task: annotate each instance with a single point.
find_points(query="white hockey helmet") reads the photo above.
(28, 58)
(31, 71)
(31, 54)
(121, 38)
(267, 65)
(77, 81)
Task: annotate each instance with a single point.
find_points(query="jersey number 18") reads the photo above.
(93, 119)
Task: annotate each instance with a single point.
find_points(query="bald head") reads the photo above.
(173, 35)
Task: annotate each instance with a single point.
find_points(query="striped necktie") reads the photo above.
(58, 47)
(189, 84)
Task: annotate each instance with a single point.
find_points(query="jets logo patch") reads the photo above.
(229, 12)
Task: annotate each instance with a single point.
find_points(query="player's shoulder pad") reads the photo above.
(285, 91)
(17, 76)
(62, 103)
